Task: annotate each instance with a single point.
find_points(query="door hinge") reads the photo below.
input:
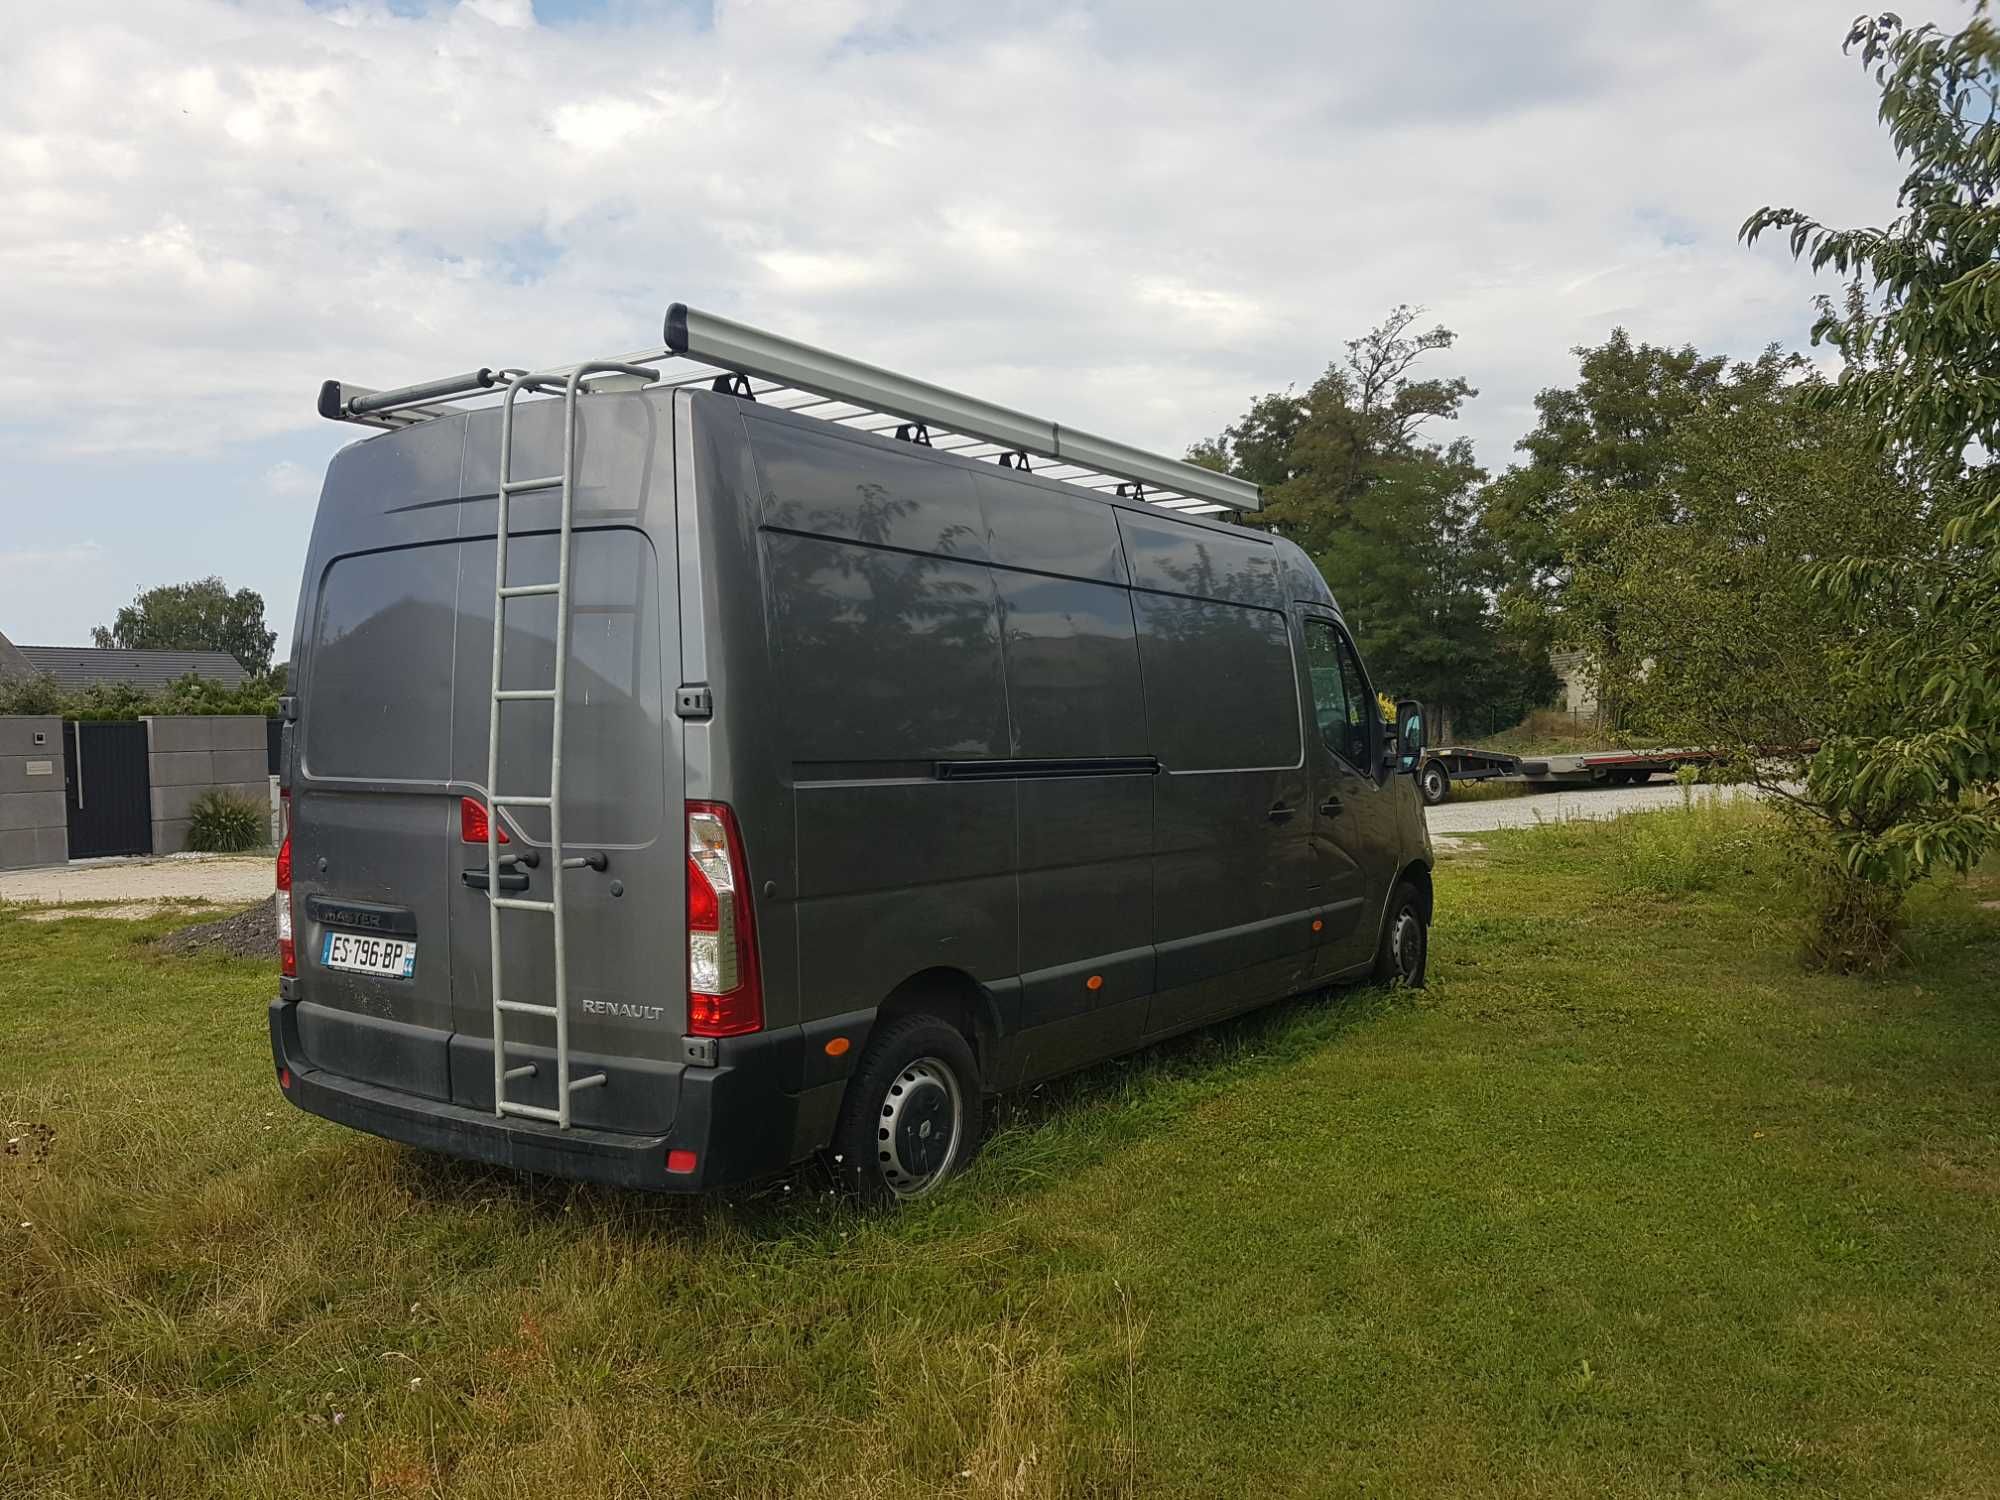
(694, 703)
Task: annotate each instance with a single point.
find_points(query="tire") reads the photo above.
(911, 1119)
(1404, 952)
(1434, 783)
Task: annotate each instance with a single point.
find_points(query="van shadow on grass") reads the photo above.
(1034, 1139)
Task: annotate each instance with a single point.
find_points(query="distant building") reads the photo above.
(1579, 686)
(12, 663)
(78, 667)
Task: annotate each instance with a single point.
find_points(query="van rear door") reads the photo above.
(394, 704)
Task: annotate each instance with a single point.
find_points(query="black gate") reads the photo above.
(110, 790)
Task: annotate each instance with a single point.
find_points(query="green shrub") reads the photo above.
(227, 824)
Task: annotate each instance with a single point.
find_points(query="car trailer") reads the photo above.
(1449, 763)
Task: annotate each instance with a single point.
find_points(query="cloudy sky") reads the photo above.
(1130, 216)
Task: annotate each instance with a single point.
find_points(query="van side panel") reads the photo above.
(1233, 877)
(1086, 877)
(888, 662)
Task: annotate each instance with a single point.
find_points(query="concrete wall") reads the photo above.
(34, 814)
(186, 756)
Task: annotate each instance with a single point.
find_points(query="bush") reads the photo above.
(227, 824)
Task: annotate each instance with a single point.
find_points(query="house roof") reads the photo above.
(82, 666)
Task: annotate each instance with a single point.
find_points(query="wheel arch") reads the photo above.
(955, 997)
(1418, 874)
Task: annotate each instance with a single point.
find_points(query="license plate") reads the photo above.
(389, 958)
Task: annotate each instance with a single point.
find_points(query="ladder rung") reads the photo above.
(526, 1070)
(522, 590)
(525, 695)
(532, 1111)
(515, 486)
(526, 1008)
(595, 1080)
(514, 903)
(519, 801)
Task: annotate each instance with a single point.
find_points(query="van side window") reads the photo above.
(1221, 689)
(1341, 699)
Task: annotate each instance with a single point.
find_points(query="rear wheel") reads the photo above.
(1406, 939)
(1434, 782)
(912, 1115)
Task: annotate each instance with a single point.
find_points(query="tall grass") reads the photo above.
(1623, 1204)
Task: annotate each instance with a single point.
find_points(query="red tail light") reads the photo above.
(472, 822)
(725, 991)
(288, 954)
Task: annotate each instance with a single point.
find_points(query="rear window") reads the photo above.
(379, 702)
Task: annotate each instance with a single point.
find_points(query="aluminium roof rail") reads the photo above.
(704, 348)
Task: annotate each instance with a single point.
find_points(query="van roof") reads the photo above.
(703, 349)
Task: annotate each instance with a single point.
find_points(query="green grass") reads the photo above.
(1624, 1204)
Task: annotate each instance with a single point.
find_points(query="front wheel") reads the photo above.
(912, 1114)
(1434, 782)
(1406, 939)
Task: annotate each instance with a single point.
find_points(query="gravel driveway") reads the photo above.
(226, 879)
(1565, 804)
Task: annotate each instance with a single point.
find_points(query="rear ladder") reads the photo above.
(571, 383)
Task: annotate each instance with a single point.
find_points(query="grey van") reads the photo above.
(851, 750)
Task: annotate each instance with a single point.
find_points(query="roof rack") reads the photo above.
(704, 349)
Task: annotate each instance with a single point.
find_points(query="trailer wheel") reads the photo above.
(1434, 782)
(912, 1114)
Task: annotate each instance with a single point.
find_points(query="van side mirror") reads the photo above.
(1409, 734)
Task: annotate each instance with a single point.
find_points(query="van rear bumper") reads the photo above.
(736, 1118)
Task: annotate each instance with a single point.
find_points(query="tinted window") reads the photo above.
(1341, 700)
(378, 703)
(1220, 694)
(1072, 667)
(1030, 527)
(888, 494)
(1178, 558)
(885, 655)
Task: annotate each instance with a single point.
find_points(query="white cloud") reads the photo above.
(1131, 216)
(289, 480)
(69, 559)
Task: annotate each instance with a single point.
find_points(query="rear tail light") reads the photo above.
(725, 992)
(288, 954)
(472, 822)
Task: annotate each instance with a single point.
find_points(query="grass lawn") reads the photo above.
(1624, 1204)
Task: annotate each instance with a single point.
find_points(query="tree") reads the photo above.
(198, 616)
(1708, 573)
(1596, 460)
(1909, 782)
(1390, 518)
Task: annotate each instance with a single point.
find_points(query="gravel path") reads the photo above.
(227, 879)
(1566, 804)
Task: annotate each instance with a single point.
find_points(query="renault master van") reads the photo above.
(710, 757)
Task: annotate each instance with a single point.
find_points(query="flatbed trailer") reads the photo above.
(1448, 763)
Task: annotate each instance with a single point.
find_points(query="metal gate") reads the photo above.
(109, 788)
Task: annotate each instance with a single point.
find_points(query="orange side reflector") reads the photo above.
(1095, 982)
(837, 1046)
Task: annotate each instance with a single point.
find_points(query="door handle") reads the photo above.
(509, 880)
(1280, 813)
(1331, 806)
